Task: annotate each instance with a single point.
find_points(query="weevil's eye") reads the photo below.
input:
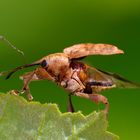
(44, 64)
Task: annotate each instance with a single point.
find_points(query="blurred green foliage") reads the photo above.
(47, 26)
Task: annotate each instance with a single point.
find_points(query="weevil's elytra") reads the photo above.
(74, 76)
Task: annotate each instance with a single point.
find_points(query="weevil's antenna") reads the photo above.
(21, 67)
(11, 45)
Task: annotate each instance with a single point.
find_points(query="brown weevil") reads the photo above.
(74, 76)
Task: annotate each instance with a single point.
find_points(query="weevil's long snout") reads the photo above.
(22, 67)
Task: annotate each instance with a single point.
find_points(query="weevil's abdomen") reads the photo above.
(92, 79)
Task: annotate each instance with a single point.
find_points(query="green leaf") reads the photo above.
(23, 120)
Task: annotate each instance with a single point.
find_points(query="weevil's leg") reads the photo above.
(14, 92)
(97, 98)
(36, 75)
(70, 107)
(28, 94)
(27, 78)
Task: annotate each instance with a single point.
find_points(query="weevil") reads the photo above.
(76, 77)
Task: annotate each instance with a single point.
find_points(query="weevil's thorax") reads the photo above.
(58, 64)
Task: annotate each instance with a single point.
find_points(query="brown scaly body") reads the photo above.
(77, 78)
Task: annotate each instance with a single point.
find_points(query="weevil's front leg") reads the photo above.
(97, 98)
(70, 107)
(38, 74)
(28, 94)
(27, 78)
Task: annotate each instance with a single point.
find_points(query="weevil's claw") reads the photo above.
(14, 92)
(22, 91)
(106, 107)
(27, 92)
(70, 107)
(29, 97)
(106, 110)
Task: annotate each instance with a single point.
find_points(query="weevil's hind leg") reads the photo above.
(97, 98)
(70, 107)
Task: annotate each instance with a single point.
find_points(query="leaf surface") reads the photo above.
(23, 120)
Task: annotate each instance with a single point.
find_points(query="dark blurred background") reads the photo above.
(48, 26)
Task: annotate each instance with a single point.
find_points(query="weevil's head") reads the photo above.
(53, 64)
